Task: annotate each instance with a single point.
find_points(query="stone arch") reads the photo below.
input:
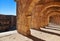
(45, 20)
(51, 12)
(51, 9)
(54, 17)
(51, 5)
(47, 12)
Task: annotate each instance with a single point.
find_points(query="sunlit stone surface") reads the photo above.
(36, 14)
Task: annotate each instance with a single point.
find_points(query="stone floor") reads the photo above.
(50, 33)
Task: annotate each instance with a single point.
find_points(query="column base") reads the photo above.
(28, 33)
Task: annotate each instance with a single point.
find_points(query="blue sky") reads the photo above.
(8, 7)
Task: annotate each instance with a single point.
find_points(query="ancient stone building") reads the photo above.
(36, 14)
(7, 22)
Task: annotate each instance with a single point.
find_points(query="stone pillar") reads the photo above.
(24, 9)
(22, 18)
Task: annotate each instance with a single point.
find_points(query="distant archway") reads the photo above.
(54, 19)
(49, 10)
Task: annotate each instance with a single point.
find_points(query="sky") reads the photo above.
(8, 7)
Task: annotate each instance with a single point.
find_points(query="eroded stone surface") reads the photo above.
(36, 14)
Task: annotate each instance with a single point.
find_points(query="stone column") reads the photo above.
(22, 18)
(24, 9)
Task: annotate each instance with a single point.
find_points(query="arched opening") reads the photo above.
(50, 12)
(55, 19)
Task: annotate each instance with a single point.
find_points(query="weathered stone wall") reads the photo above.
(6, 22)
(35, 14)
(41, 14)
